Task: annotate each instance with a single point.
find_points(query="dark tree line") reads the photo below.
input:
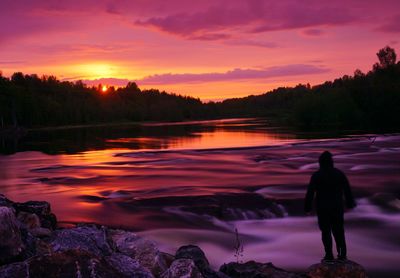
(361, 101)
(29, 101)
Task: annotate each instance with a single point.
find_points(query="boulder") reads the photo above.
(182, 268)
(127, 266)
(343, 269)
(15, 270)
(37, 207)
(254, 269)
(197, 255)
(86, 237)
(40, 232)
(168, 258)
(29, 243)
(41, 209)
(11, 244)
(4, 202)
(140, 249)
(194, 253)
(30, 220)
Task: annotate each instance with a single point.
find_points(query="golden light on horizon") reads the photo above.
(104, 88)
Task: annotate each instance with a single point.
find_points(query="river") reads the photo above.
(196, 182)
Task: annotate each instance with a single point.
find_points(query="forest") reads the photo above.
(368, 101)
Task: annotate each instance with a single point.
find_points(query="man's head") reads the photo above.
(325, 160)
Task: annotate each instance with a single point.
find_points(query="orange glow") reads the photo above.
(104, 88)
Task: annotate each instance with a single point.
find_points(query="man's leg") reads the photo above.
(325, 227)
(338, 234)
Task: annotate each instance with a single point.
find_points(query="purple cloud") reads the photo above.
(393, 26)
(313, 32)
(104, 81)
(251, 16)
(236, 74)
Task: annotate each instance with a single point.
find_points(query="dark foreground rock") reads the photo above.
(254, 269)
(32, 246)
(10, 235)
(195, 254)
(182, 268)
(72, 263)
(336, 269)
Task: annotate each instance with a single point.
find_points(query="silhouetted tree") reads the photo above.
(387, 57)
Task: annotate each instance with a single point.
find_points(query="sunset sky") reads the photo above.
(209, 49)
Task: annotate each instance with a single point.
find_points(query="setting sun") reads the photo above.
(104, 88)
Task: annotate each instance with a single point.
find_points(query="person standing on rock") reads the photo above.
(330, 185)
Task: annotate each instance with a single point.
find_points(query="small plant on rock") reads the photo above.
(238, 247)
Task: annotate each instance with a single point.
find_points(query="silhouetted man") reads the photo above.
(330, 185)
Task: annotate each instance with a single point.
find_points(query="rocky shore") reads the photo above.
(31, 245)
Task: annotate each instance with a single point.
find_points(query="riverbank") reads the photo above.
(32, 245)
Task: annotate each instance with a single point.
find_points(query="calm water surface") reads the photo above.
(196, 182)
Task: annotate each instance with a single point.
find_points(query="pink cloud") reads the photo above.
(235, 74)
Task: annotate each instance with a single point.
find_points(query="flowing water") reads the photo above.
(196, 182)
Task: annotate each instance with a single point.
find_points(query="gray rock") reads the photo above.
(41, 209)
(37, 207)
(168, 258)
(140, 249)
(254, 269)
(15, 270)
(128, 266)
(343, 269)
(11, 244)
(182, 268)
(88, 238)
(30, 220)
(40, 232)
(71, 263)
(194, 253)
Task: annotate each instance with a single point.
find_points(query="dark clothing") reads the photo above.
(331, 222)
(330, 185)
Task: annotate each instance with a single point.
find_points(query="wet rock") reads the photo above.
(182, 268)
(49, 221)
(41, 209)
(254, 269)
(86, 237)
(4, 202)
(227, 206)
(30, 220)
(343, 269)
(37, 207)
(128, 266)
(168, 258)
(197, 255)
(140, 249)
(387, 201)
(11, 244)
(194, 253)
